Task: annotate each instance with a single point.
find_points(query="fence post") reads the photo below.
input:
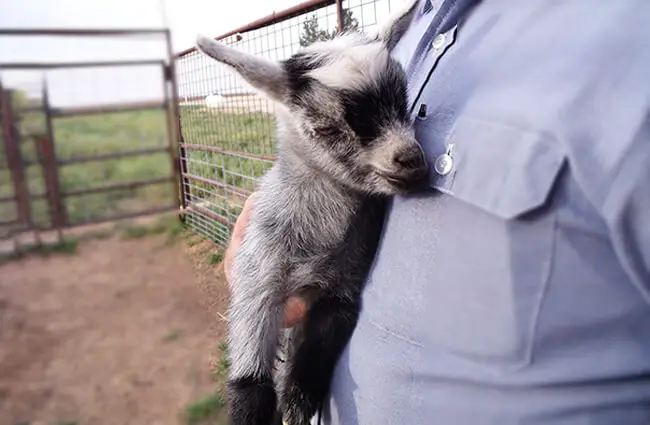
(171, 131)
(175, 143)
(340, 21)
(11, 138)
(47, 153)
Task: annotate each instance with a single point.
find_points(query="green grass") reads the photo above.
(205, 409)
(67, 246)
(119, 132)
(169, 225)
(211, 407)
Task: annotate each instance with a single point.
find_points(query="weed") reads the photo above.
(204, 409)
(215, 258)
(172, 336)
(222, 365)
(195, 241)
(66, 246)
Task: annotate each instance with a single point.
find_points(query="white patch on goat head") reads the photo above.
(353, 62)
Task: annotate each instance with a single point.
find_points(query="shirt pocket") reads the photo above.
(503, 170)
(478, 257)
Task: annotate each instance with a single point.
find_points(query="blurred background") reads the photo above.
(125, 158)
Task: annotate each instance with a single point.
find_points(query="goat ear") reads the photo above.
(392, 29)
(263, 74)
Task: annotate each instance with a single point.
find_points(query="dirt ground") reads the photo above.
(124, 331)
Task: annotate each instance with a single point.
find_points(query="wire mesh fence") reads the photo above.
(227, 129)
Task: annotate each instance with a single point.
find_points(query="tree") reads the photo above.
(312, 33)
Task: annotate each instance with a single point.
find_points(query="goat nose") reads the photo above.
(409, 158)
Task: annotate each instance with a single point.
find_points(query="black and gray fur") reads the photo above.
(345, 143)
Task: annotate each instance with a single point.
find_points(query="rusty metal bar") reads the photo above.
(150, 211)
(210, 214)
(340, 20)
(60, 65)
(214, 183)
(226, 152)
(118, 186)
(185, 187)
(81, 31)
(274, 18)
(174, 122)
(52, 186)
(58, 212)
(116, 155)
(107, 109)
(11, 139)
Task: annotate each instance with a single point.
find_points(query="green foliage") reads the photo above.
(311, 32)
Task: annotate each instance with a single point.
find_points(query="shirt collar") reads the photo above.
(425, 7)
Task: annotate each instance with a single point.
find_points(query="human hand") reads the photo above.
(295, 308)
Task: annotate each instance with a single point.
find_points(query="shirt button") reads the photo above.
(443, 164)
(439, 42)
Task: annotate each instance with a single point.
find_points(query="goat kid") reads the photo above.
(345, 144)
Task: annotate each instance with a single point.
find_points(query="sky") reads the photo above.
(185, 18)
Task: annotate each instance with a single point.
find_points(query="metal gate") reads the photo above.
(63, 167)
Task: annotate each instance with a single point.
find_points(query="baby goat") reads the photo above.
(345, 143)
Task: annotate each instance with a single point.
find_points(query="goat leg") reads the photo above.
(254, 327)
(309, 368)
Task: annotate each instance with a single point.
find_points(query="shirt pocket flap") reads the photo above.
(503, 170)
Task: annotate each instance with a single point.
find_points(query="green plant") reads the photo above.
(215, 257)
(172, 336)
(206, 408)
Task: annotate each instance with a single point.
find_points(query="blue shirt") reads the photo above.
(516, 290)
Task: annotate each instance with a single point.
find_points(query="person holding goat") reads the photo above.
(515, 288)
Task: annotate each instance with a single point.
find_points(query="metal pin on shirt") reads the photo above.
(422, 112)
